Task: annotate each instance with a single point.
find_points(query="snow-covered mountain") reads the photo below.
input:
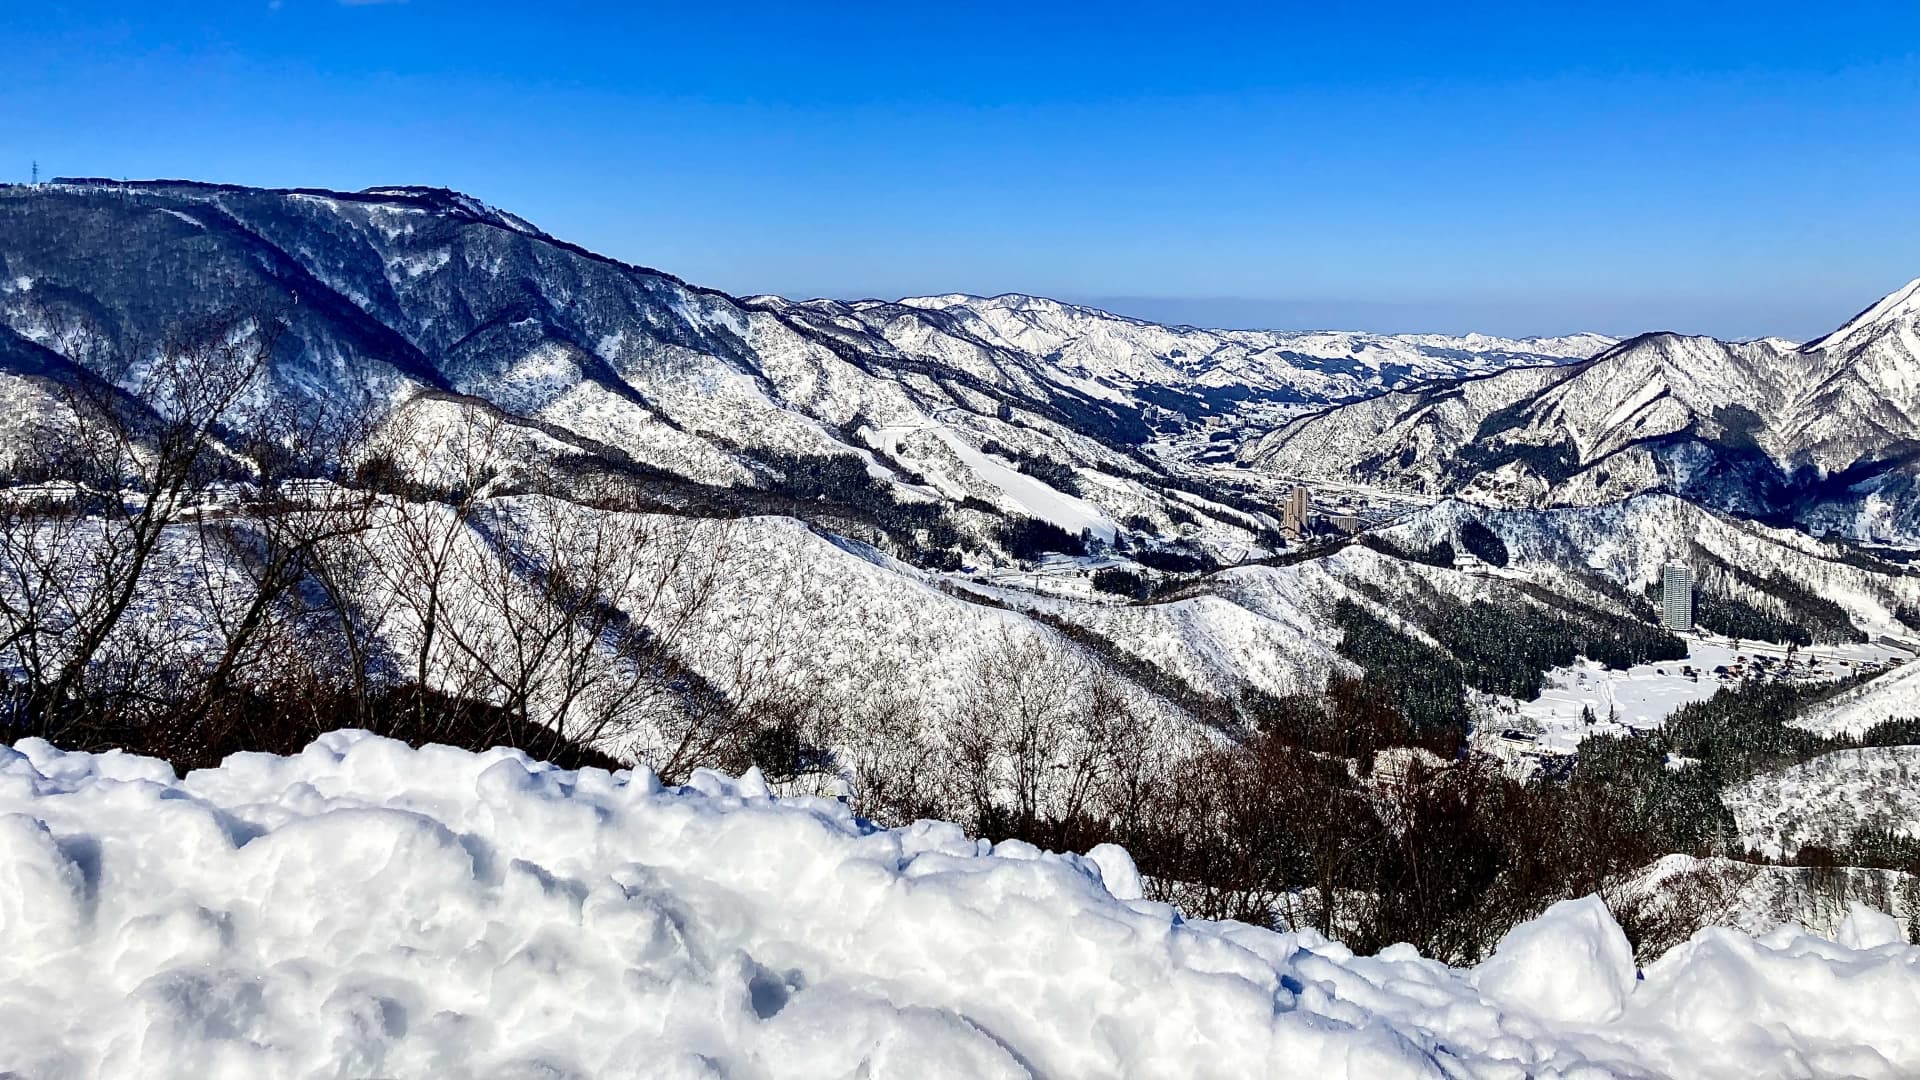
(855, 475)
(1251, 374)
(1826, 435)
(986, 410)
(1013, 407)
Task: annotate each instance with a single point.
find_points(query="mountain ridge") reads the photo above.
(395, 292)
(400, 288)
(1822, 434)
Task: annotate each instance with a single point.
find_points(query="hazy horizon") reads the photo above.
(1511, 170)
(1727, 318)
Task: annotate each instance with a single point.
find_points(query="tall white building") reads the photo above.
(1676, 597)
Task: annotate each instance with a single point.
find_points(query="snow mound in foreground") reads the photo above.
(1573, 963)
(366, 909)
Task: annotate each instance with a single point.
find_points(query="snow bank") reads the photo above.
(1573, 963)
(365, 909)
(1869, 928)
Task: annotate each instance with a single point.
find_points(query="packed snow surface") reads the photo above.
(366, 909)
(1572, 964)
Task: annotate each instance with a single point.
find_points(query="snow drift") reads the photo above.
(366, 909)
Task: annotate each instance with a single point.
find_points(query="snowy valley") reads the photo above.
(709, 686)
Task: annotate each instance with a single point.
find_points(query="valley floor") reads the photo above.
(1642, 697)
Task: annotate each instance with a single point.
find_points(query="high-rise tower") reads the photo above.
(1676, 597)
(1299, 505)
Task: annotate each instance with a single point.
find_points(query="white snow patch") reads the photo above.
(1895, 694)
(1572, 964)
(1036, 497)
(1869, 928)
(366, 909)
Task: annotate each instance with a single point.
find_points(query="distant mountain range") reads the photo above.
(1824, 435)
(404, 294)
(397, 295)
(1250, 374)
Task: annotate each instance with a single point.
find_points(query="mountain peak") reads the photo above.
(438, 200)
(1902, 303)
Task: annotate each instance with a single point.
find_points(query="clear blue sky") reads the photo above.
(1739, 169)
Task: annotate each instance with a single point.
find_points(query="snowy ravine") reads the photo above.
(364, 909)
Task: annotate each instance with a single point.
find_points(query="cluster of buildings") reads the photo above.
(1297, 518)
(1299, 509)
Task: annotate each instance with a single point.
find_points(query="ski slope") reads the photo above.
(1037, 498)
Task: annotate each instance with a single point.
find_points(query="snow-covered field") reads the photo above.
(364, 909)
(1895, 694)
(1645, 695)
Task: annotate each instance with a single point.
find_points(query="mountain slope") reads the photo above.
(1825, 435)
(1829, 800)
(1016, 407)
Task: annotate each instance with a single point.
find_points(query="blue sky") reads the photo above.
(1739, 169)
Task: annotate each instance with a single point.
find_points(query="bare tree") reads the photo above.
(565, 616)
(119, 465)
(1051, 745)
(342, 567)
(896, 765)
(417, 534)
(269, 537)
